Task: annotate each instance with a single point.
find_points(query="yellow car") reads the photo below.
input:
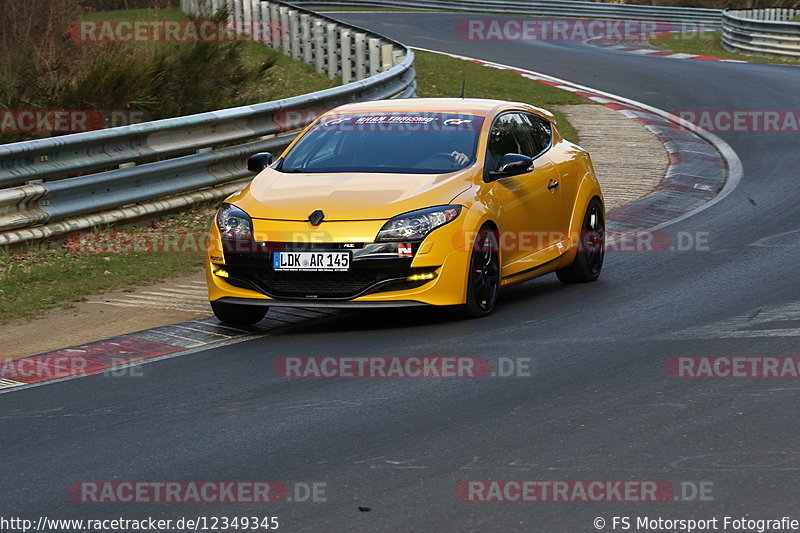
(408, 202)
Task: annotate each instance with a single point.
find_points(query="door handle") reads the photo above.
(552, 185)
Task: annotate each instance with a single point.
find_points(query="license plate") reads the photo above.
(311, 261)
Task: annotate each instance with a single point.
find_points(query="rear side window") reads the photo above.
(541, 132)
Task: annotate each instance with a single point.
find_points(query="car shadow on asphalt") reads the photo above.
(526, 295)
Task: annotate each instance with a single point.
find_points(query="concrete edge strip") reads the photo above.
(124, 351)
(656, 52)
(165, 342)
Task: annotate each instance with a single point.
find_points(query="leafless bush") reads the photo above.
(41, 67)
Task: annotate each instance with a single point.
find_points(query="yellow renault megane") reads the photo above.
(408, 202)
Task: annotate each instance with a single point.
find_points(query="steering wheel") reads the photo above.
(444, 155)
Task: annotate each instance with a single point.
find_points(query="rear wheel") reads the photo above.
(237, 314)
(591, 248)
(483, 279)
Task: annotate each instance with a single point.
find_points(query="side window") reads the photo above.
(540, 132)
(509, 135)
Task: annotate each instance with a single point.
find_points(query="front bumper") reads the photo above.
(378, 276)
(358, 304)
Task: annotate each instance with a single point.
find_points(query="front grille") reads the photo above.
(357, 280)
(374, 267)
(325, 284)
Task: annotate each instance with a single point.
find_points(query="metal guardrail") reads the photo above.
(73, 182)
(765, 31)
(545, 8)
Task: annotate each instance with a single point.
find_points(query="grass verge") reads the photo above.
(441, 76)
(34, 282)
(707, 43)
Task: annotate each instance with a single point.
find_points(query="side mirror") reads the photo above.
(259, 162)
(511, 165)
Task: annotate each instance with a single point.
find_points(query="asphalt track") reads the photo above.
(599, 403)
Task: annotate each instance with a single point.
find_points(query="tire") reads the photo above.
(591, 248)
(237, 314)
(483, 277)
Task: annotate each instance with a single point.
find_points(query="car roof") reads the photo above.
(468, 106)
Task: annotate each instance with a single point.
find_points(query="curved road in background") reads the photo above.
(599, 404)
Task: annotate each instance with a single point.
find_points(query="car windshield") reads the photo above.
(407, 143)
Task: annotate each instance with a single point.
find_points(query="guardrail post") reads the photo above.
(264, 24)
(244, 26)
(387, 61)
(305, 37)
(397, 56)
(237, 14)
(276, 28)
(361, 56)
(294, 33)
(286, 30)
(331, 56)
(319, 46)
(346, 59)
(374, 56)
(256, 11)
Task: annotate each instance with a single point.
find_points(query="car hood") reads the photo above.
(347, 196)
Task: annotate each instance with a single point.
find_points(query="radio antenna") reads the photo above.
(463, 84)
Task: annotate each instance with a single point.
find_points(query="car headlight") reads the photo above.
(416, 224)
(233, 223)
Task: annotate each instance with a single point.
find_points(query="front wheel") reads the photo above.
(483, 278)
(237, 314)
(591, 248)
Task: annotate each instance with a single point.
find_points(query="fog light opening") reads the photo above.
(220, 272)
(422, 276)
